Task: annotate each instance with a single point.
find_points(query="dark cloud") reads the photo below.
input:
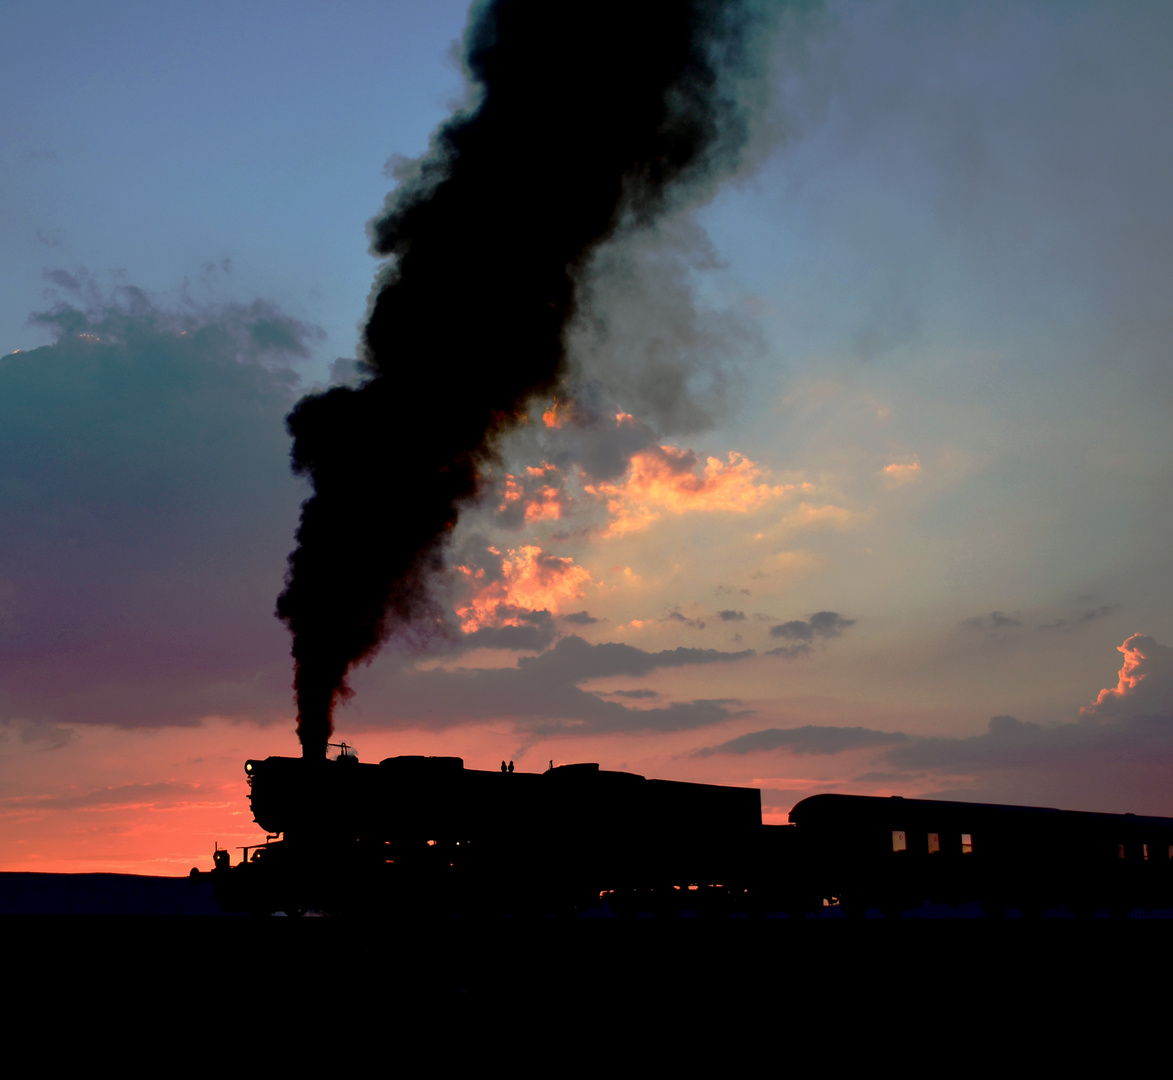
(634, 694)
(731, 616)
(1115, 764)
(1127, 729)
(520, 629)
(541, 694)
(1117, 756)
(574, 660)
(535, 701)
(46, 736)
(126, 796)
(880, 777)
(790, 652)
(809, 739)
(147, 506)
(63, 279)
(579, 618)
(1074, 622)
(822, 625)
(269, 331)
(525, 638)
(1013, 743)
(996, 620)
(675, 615)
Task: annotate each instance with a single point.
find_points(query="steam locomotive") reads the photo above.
(426, 836)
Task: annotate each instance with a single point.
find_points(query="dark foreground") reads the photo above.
(264, 991)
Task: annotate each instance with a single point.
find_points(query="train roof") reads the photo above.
(831, 806)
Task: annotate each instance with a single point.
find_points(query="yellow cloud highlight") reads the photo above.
(670, 480)
(530, 581)
(809, 516)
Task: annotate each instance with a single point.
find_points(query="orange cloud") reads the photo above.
(539, 491)
(898, 474)
(668, 479)
(512, 492)
(1144, 659)
(530, 581)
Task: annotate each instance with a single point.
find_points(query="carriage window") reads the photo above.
(899, 841)
(934, 843)
(1146, 851)
(966, 843)
(1122, 851)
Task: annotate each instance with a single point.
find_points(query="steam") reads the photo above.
(590, 119)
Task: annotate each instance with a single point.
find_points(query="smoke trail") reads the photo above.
(589, 117)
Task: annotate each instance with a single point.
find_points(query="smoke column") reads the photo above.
(589, 118)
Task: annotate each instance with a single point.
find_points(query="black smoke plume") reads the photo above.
(588, 118)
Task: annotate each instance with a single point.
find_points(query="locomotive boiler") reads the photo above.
(426, 836)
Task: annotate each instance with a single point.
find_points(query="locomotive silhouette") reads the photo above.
(426, 836)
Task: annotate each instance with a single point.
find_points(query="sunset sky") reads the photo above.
(860, 480)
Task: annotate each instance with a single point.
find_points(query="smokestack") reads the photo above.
(589, 118)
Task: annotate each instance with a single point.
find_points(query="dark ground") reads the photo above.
(644, 992)
(103, 894)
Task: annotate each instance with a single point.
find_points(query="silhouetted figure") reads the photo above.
(511, 766)
(504, 769)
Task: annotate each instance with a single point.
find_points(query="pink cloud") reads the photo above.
(1145, 683)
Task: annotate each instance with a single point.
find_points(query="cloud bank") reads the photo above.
(1120, 748)
(147, 503)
